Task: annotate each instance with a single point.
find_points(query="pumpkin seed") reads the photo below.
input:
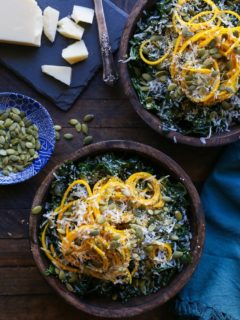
(178, 215)
(73, 122)
(226, 105)
(186, 32)
(61, 275)
(57, 127)
(69, 287)
(101, 219)
(3, 152)
(208, 63)
(10, 151)
(68, 136)
(177, 254)
(172, 87)
(36, 210)
(147, 76)
(152, 227)
(87, 140)
(85, 128)
(88, 118)
(78, 127)
(217, 56)
(8, 122)
(57, 135)
(94, 233)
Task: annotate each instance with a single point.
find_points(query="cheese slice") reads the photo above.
(21, 22)
(63, 74)
(70, 29)
(50, 22)
(76, 52)
(82, 14)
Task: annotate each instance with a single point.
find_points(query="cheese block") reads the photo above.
(82, 14)
(50, 22)
(21, 22)
(76, 52)
(70, 29)
(63, 74)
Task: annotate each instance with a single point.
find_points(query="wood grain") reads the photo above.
(115, 119)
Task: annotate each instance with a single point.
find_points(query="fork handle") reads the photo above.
(110, 75)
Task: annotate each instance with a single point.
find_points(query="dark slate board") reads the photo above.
(26, 61)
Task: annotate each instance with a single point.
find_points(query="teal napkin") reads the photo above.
(214, 290)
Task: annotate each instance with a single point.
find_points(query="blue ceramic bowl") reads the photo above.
(39, 116)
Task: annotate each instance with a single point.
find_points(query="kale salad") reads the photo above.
(184, 64)
(115, 226)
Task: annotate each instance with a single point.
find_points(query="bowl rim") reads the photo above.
(153, 300)
(152, 120)
(48, 116)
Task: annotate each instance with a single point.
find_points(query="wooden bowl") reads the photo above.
(152, 120)
(107, 307)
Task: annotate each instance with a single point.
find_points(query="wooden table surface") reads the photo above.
(24, 294)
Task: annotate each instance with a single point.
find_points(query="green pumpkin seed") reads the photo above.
(16, 117)
(201, 52)
(78, 127)
(101, 219)
(177, 254)
(73, 122)
(208, 63)
(69, 287)
(10, 151)
(29, 145)
(5, 172)
(94, 233)
(57, 135)
(85, 128)
(88, 118)
(68, 136)
(178, 215)
(226, 105)
(61, 275)
(3, 152)
(172, 87)
(152, 227)
(186, 33)
(36, 210)
(57, 127)
(8, 123)
(87, 140)
(147, 76)
(217, 56)
(2, 140)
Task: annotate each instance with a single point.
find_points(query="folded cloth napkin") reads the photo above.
(214, 290)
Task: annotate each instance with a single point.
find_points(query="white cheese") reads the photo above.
(50, 22)
(70, 29)
(21, 22)
(76, 52)
(82, 14)
(63, 74)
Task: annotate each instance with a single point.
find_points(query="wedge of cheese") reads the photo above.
(21, 22)
(82, 14)
(76, 52)
(70, 29)
(50, 22)
(63, 74)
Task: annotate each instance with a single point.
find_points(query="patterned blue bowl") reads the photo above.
(40, 117)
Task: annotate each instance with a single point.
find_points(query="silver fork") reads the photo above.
(110, 75)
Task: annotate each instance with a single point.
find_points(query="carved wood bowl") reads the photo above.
(152, 120)
(107, 307)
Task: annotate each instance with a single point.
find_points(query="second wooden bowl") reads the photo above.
(107, 307)
(152, 120)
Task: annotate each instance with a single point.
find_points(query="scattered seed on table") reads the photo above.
(68, 136)
(57, 127)
(87, 140)
(78, 127)
(85, 128)
(73, 122)
(88, 118)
